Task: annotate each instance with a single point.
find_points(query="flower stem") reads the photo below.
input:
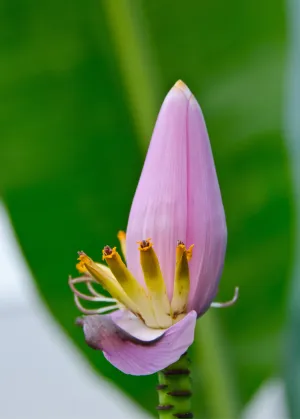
(175, 390)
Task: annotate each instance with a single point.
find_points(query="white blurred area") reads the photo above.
(41, 374)
(268, 403)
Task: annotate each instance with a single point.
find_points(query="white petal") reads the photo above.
(135, 327)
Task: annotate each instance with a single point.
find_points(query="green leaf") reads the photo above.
(70, 159)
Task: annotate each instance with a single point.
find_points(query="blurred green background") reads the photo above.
(81, 84)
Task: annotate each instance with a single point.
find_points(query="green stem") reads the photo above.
(175, 390)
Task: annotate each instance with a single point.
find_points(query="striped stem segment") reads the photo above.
(174, 390)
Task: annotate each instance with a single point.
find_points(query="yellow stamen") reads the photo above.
(182, 280)
(108, 281)
(155, 283)
(122, 239)
(189, 252)
(80, 266)
(129, 284)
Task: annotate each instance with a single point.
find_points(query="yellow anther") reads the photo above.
(107, 280)
(155, 283)
(182, 280)
(122, 239)
(129, 284)
(189, 252)
(80, 266)
(145, 245)
(83, 259)
(118, 267)
(107, 252)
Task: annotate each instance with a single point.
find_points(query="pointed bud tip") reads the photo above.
(183, 87)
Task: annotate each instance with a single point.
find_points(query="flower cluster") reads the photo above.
(170, 279)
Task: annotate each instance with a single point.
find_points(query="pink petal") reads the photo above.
(159, 208)
(206, 218)
(178, 198)
(132, 355)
